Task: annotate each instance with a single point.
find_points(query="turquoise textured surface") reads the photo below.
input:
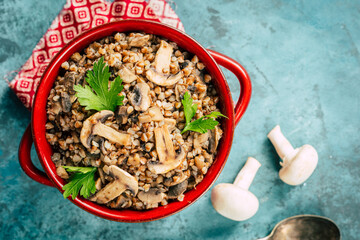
(303, 59)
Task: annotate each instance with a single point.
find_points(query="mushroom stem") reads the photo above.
(111, 134)
(282, 145)
(247, 173)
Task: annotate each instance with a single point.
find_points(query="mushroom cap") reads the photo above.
(140, 98)
(298, 169)
(178, 189)
(86, 131)
(154, 195)
(233, 202)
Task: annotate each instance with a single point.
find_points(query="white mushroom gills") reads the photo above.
(235, 201)
(297, 164)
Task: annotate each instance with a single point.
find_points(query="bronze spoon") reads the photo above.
(305, 227)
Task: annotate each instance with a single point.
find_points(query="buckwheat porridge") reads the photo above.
(151, 144)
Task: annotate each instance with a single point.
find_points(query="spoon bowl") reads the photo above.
(305, 227)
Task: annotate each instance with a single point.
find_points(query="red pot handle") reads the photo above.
(25, 160)
(244, 80)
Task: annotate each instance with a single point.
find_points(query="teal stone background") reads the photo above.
(303, 59)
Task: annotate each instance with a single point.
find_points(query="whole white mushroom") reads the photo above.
(235, 201)
(297, 164)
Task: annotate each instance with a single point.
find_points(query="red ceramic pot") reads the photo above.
(210, 58)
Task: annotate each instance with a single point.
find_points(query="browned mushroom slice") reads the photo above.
(170, 122)
(161, 62)
(162, 79)
(139, 40)
(122, 115)
(163, 56)
(94, 126)
(166, 153)
(122, 181)
(200, 139)
(140, 98)
(180, 154)
(127, 75)
(164, 145)
(215, 135)
(65, 102)
(154, 195)
(174, 181)
(177, 190)
(123, 201)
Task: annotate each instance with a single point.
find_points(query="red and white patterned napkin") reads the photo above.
(76, 17)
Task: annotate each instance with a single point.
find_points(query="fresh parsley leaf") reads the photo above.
(81, 181)
(78, 169)
(189, 107)
(201, 125)
(215, 115)
(98, 96)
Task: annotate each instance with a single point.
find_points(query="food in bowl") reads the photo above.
(131, 121)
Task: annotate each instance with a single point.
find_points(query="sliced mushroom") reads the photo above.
(163, 56)
(122, 115)
(65, 102)
(153, 114)
(101, 174)
(191, 182)
(180, 154)
(123, 201)
(140, 98)
(102, 146)
(215, 135)
(170, 122)
(122, 181)
(94, 126)
(164, 145)
(98, 184)
(166, 153)
(154, 195)
(139, 40)
(162, 79)
(177, 190)
(127, 75)
(200, 139)
(161, 62)
(170, 181)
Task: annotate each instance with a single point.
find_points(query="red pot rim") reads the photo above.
(183, 40)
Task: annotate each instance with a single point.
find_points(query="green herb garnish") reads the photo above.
(81, 180)
(201, 125)
(98, 95)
